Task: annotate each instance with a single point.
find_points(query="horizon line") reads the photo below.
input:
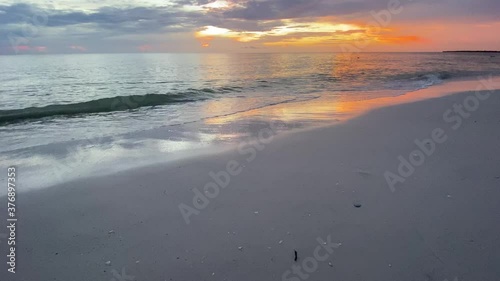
(291, 52)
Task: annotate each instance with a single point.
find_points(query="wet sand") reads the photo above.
(324, 188)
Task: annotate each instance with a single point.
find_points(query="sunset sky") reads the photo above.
(114, 26)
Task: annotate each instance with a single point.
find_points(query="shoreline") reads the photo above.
(440, 223)
(77, 165)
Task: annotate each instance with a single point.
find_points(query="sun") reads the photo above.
(212, 31)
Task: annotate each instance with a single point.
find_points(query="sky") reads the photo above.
(237, 26)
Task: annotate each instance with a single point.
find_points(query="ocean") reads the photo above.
(63, 116)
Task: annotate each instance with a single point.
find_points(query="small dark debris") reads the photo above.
(57, 254)
(295, 255)
(357, 205)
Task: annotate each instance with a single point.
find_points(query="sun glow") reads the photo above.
(291, 32)
(312, 27)
(213, 31)
(209, 32)
(219, 4)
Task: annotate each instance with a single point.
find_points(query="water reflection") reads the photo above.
(59, 162)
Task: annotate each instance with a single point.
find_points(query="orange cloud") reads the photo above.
(295, 33)
(321, 33)
(400, 39)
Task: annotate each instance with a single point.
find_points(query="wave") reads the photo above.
(119, 103)
(422, 80)
(431, 79)
(439, 75)
(409, 82)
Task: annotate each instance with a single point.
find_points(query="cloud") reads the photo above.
(416, 10)
(150, 18)
(121, 25)
(288, 9)
(78, 48)
(31, 24)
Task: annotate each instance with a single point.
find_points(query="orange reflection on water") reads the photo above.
(332, 106)
(354, 108)
(315, 110)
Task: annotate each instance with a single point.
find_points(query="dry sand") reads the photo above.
(441, 223)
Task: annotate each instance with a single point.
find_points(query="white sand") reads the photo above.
(442, 222)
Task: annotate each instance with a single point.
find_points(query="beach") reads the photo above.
(249, 140)
(404, 191)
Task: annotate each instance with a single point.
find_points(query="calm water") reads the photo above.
(55, 108)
